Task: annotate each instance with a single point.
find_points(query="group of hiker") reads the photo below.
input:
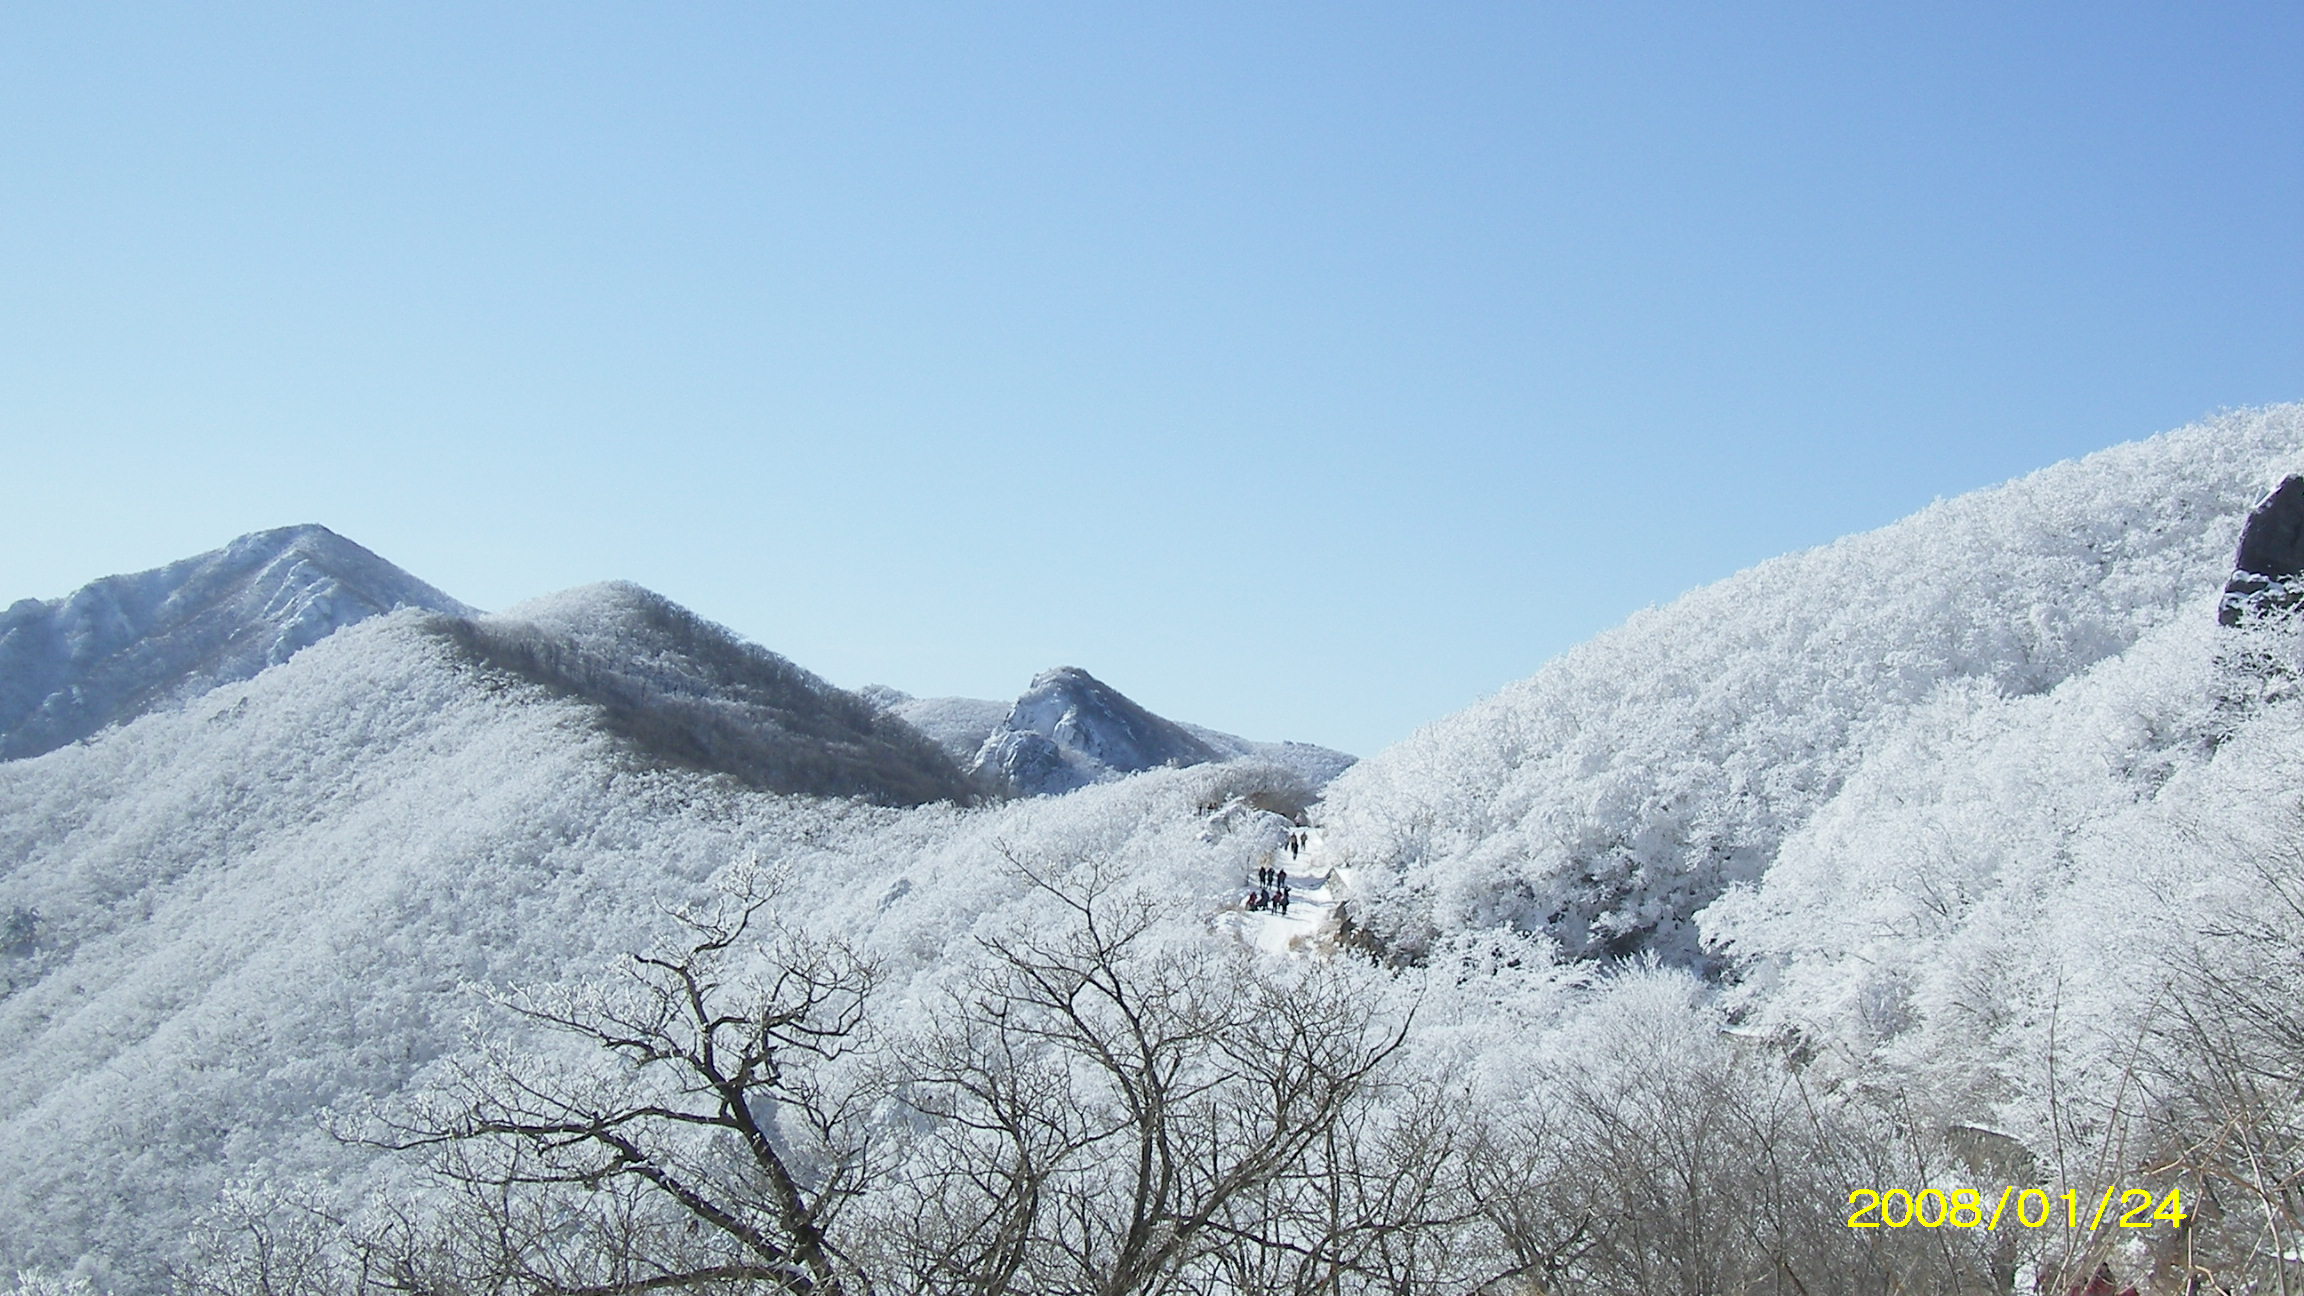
(1271, 893)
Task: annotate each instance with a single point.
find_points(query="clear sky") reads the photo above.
(1306, 371)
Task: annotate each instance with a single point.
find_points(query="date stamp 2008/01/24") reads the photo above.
(2032, 1208)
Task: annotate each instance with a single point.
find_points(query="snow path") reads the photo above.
(1314, 895)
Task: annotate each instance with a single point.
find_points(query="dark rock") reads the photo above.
(2268, 573)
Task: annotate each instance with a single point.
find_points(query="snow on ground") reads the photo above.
(274, 901)
(1949, 785)
(1317, 890)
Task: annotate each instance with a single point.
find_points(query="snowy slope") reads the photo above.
(1610, 797)
(1939, 805)
(127, 644)
(2006, 885)
(959, 725)
(268, 902)
(692, 693)
(1314, 764)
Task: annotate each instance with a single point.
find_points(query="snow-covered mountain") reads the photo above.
(1070, 729)
(957, 724)
(1607, 799)
(1929, 813)
(270, 901)
(125, 645)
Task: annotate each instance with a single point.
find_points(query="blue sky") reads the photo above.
(1307, 371)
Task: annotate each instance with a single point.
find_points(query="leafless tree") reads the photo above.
(1713, 1170)
(2231, 1081)
(716, 1151)
(1108, 1102)
(1107, 1110)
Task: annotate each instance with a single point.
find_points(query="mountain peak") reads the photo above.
(124, 645)
(1070, 729)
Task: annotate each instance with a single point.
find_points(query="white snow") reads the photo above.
(1934, 795)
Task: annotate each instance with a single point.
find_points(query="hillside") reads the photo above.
(691, 693)
(1606, 800)
(272, 901)
(1942, 837)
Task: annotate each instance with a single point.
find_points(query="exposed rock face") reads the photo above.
(1071, 729)
(125, 645)
(2268, 574)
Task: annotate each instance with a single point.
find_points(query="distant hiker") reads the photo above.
(1280, 876)
(1283, 902)
(1295, 844)
(1255, 900)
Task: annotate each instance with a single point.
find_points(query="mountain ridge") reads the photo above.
(1069, 729)
(694, 693)
(1922, 809)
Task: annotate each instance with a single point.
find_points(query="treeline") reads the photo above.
(690, 693)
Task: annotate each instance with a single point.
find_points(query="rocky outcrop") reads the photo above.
(1071, 729)
(2268, 574)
